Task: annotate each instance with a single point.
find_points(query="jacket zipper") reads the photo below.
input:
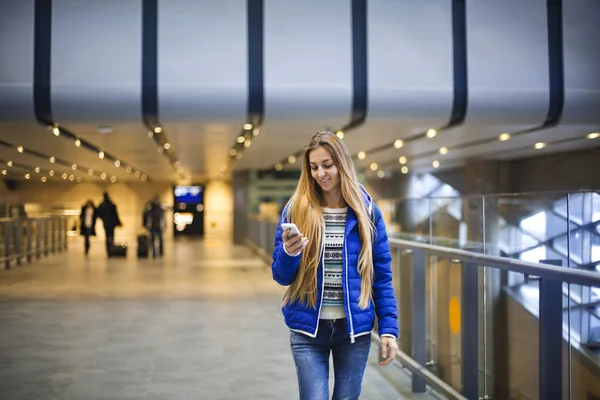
(322, 262)
(348, 293)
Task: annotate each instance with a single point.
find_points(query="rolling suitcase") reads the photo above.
(143, 243)
(118, 250)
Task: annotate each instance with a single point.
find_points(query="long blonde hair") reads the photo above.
(305, 210)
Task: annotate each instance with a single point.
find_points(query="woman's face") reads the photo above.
(323, 170)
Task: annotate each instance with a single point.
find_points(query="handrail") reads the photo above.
(568, 275)
(26, 237)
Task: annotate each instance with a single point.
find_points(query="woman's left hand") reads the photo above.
(388, 350)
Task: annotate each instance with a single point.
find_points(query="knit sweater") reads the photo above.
(333, 294)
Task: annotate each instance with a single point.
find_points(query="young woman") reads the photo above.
(338, 273)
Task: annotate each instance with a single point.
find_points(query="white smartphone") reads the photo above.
(292, 227)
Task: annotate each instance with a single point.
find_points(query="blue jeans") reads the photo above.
(311, 357)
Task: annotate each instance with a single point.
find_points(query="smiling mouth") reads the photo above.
(325, 181)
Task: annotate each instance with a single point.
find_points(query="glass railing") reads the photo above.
(26, 239)
(504, 300)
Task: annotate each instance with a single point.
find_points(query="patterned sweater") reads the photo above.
(333, 294)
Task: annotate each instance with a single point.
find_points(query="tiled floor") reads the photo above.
(201, 323)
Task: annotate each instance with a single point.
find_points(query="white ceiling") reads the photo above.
(203, 83)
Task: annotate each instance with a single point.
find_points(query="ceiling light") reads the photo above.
(255, 132)
(374, 167)
(179, 170)
(593, 135)
(27, 176)
(232, 152)
(238, 156)
(3, 172)
(44, 179)
(150, 134)
(56, 131)
(278, 166)
(241, 139)
(117, 163)
(128, 169)
(223, 168)
(431, 133)
(340, 134)
(65, 175)
(10, 163)
(504, 137)
(103, 175)
(101, 154)
(539, 145)
(247, 143)
(144, 178)
(113, 179)
(292, 159)
(167, 146)
(52, 159)
(158, 129)
(443, 150)
(160, 150)
(361, 155)
(74, 167)
(435, 164)
(137, 174)
(404, 170)
(71, 177)
(37, 170)
(398, 143)
(247, 126)
(78, 179)
(51, 173)
(381, 173)
(402, 160)
(20, 149)
(77, 142)
(91, 171)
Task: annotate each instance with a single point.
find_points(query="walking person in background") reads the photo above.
(87, 227)
(107, 212)
(154, 220)
(338, 273)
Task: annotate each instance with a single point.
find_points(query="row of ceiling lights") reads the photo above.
(165, 148)
(444, 150)
(242, 142)
(57, 131)
(51, 173)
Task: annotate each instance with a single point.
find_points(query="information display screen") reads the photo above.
(188, 194)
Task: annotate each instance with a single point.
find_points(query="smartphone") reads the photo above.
(292, 227)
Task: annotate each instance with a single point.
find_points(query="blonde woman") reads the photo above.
(338, 272)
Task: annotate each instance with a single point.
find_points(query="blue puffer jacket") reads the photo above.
(304, 319)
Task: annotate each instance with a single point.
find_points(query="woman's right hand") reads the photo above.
(293, 245)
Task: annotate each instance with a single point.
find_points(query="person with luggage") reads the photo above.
(107, 212)
(87, 227)
(154, 221)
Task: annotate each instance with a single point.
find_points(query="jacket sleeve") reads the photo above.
(284, 266)
(383, 291)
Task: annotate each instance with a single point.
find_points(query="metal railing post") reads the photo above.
(38, 238)
(418, 350)
(46, 236)
(469, 310)
(53, 234)
(65, 230)
(7, 250)
(59, 233)
(29, 241)
(18, 239)
(550, 336)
